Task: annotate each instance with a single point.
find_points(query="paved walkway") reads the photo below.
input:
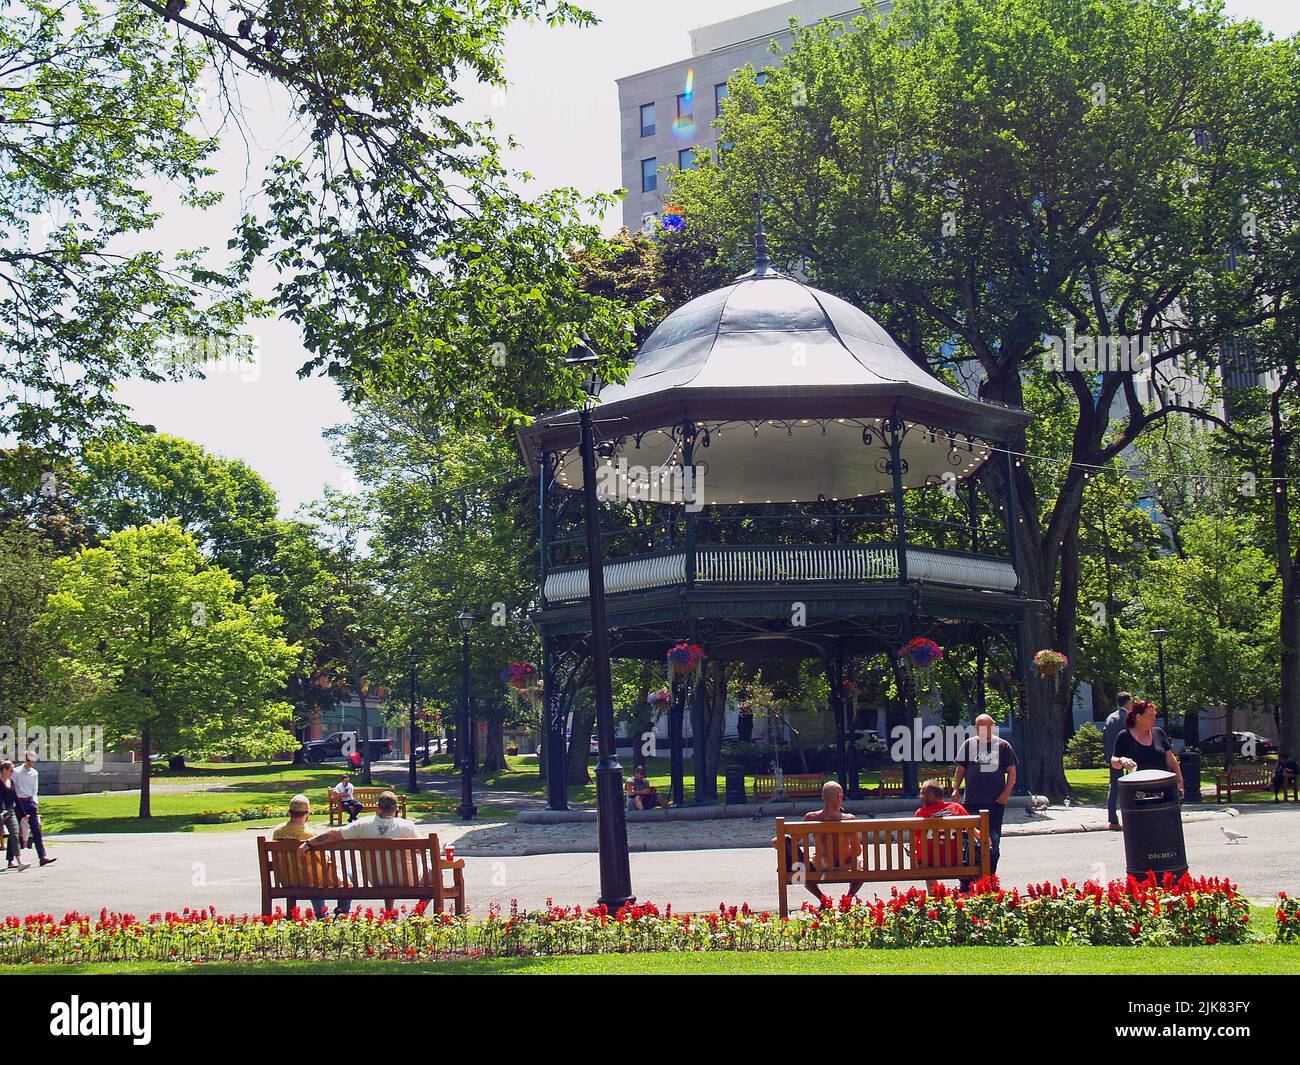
(151, 872)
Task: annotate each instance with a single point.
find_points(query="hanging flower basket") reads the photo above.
(920, 654)
(686, 657)
(657, 700)
(519, 675)
(1050, 663)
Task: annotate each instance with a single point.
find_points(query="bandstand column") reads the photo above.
(557, 783)
(833, 661)
(697, 696)
(676, 761)
(907, 689)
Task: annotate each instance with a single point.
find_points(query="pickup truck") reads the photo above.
(337, 746)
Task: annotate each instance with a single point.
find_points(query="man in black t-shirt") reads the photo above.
(987, 763)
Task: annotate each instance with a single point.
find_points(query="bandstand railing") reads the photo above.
(769, 564)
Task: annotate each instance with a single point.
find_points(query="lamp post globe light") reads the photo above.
(465, 744)
(611, 822)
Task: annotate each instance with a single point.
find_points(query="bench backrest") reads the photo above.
(1251, 774)
(368, 798)
(891, 780)
(373, 864)
(905, 848)
(790, 782)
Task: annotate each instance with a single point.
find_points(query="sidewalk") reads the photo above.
(736, 827)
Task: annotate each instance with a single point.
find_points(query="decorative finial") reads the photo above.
(761, 261)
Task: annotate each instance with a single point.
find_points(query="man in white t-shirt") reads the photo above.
(384, 825)
(347, 799)
(27, 786)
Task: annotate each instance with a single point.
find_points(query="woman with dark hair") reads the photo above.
(9, 815)
(1144, 746)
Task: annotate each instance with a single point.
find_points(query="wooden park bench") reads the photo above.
(1247, 778)
(891, 781)
(369, 800)
(795, 786)
(879, 851)
(381, 869)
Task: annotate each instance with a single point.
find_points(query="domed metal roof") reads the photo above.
(769, 353)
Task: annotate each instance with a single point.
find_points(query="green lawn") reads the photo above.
(247, 785)
(1260, 958)
(256, 785)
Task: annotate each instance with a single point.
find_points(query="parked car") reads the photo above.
(1247, 745)
(338, 745)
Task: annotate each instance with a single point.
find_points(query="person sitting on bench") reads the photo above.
(832, 810)
(934, 805)
(1284, 776)
(297, 828)
(643, 793)
(347, 801)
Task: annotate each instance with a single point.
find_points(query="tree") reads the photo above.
(1219, 603)
(99, 105)
(135, 477)
(983, 175)
(27, 577)
(159, 648)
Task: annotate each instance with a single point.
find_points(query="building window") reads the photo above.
(647, 120)
(649, 175)
(686, 159)
(685, 109)
(720, 93)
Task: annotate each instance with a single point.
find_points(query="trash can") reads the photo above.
(1191, 762)
(1151, 815)
(735, 785)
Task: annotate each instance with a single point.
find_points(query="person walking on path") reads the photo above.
(27, 786)
(9, 816)
(988, 766)
(1143, 745)
(1110, 733)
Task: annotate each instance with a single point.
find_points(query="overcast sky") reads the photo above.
(563, 109)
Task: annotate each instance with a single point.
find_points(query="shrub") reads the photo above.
(1086, 749)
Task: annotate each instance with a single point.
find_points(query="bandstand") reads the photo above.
(779, 479)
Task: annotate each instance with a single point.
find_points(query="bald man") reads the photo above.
(832, 810)
(987, 763)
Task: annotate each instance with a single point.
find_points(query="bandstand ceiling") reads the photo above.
(792, 391)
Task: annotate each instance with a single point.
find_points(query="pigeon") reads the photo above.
(1232, 812)
(1232, 836)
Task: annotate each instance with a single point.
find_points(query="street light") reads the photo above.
(611, 823)
(465, 621)
(412, 782)
(1160, 635)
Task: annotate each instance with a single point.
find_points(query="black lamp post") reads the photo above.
(465, 747)
(611, 824)
(412, 783)
(1160, 635)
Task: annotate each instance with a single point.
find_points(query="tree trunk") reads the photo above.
(584, 718)
(146, 749)
(1043, 735)
(494, 758)
(364, 739)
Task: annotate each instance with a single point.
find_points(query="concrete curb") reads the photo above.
(751, 811)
